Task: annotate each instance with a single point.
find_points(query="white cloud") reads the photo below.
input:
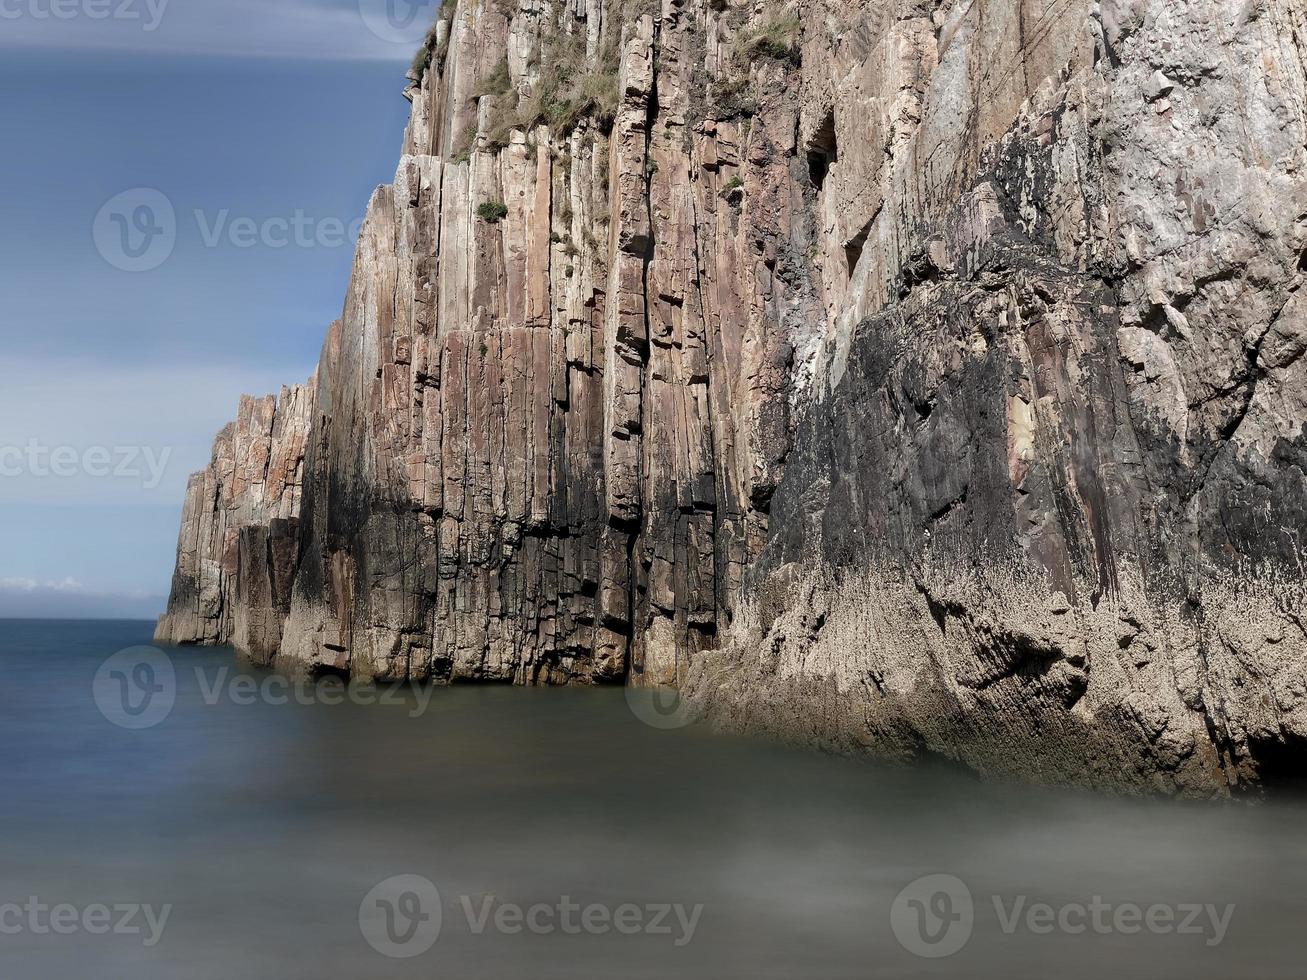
(68, 584)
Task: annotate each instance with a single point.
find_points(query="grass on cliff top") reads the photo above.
(733, 94)
(431, 49)
(776, 37)
(569, 91)
(422, 58)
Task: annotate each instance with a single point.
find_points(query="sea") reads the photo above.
(174, 813)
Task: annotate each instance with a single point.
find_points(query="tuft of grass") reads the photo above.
(422, 58)
(492, 212)
(569, 91)
(733, 192)
(776, 38)
(463, 153)
(497, 83)
(504, 118)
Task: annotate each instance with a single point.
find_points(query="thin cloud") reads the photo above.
(68, 584)
(25, 598)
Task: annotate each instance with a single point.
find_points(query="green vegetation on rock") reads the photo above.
(492, 212)
(776, 38)
(497, 83)
(431, 50)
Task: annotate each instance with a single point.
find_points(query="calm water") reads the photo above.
(264, 827)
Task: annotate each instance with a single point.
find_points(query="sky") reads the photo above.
(180, 185)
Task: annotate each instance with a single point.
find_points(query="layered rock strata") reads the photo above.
(906, 376)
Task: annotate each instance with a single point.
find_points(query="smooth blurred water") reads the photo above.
(265, 826)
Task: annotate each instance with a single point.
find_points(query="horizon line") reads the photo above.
(191, 52)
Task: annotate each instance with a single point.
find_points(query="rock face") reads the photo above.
(902, 375)
(238, 549)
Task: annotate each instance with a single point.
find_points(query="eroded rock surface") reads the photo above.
(905, 376)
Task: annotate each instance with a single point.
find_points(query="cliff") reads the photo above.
(905, 376)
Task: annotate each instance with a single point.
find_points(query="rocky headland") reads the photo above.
(903, 376)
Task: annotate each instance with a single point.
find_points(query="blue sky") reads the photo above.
(249, 117)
